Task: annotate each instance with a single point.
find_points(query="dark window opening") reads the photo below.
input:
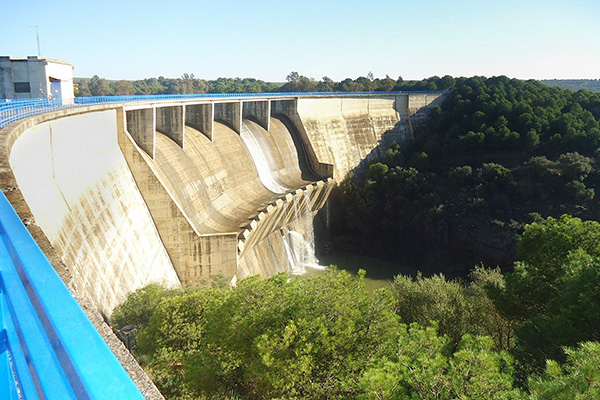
(22, 87)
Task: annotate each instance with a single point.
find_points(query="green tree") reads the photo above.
(99, 86)
(553, 294)
(293, 338)
(457, 308)
(172, 336)
(325, 85)
(578, 379)
(124, 88)
(82, 89)
(424, 368)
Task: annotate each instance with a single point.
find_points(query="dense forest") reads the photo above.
(496, 155)
(532, 333)
(500, 184)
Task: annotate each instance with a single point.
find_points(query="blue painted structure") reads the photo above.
(48, 347)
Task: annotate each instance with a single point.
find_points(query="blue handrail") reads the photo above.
(48, 347)
(12, 110)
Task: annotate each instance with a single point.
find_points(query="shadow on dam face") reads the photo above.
(120, 219)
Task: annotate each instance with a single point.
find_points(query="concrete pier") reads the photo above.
(259, 111)
(170, 121)
(141, 123)
(201, 117)
(230, 114)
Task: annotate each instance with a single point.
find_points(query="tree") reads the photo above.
(124, 88)
(82, 89)
(578, 379)
(424, 368)
(99, 86)
(172, 335)
(293, 338)
(553, 294)
(457, 308)
(293, 77)
(386, 84)
(299, 83)
(137, 310)
(325, 85)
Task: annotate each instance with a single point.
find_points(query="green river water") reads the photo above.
(379, 272)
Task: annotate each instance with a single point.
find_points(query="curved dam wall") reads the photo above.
(82, 195)
(177, 193)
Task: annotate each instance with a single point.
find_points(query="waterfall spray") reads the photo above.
(300, 242)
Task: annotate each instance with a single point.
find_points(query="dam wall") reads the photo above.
(345, 131)
(82, 195)
(178, 192)
(209, 192)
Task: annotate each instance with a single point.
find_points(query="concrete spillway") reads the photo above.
(128, 195)
(219, 184)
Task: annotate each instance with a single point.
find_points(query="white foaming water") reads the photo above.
(300, 248)
(261, 161)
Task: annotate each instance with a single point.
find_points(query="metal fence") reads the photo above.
(12, 110)
(48, 347)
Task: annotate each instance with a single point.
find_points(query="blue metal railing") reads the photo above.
(48, 347)
(12, 110)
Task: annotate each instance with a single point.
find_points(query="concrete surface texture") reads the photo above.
(213, 188)
(123, 210)
(346, 131)
(82, 195)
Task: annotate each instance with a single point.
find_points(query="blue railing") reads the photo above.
(48, 347)
(12, 110)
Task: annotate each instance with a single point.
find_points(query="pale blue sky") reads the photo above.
(133, 39)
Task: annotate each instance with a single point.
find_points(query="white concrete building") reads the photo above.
(32, 77)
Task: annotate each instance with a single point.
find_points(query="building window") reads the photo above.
(22, 87)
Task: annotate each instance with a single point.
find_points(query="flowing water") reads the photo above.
(261, 160)
(300, 241)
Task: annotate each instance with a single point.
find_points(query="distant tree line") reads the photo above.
(189, 84)
(300, 83)
(593, 85)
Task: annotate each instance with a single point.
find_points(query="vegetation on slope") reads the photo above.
(497, 154)
(328, 337)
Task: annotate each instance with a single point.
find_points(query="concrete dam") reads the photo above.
(177, 191)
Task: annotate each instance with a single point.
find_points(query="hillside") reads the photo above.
(593, 85)
(498, 154)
